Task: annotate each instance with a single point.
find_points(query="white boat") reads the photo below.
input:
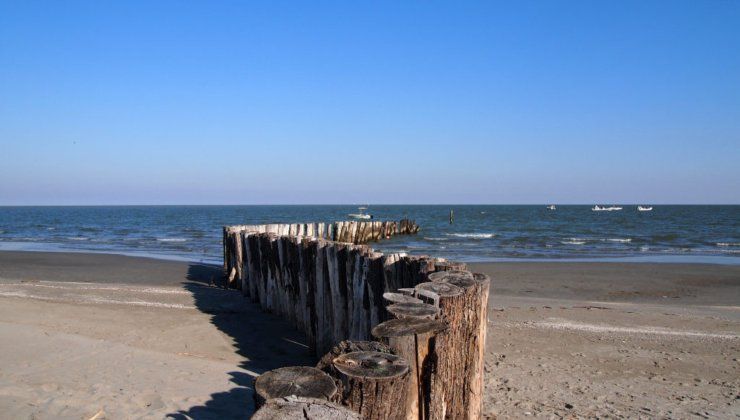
(644, 208)
(551, 207)
(602, 208)
(361, 215)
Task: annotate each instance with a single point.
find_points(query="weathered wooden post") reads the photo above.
(301, 381)
(291, 408)
(413, 310)
(457, 385)
(373, 383)
(445, 382)
(414, 340)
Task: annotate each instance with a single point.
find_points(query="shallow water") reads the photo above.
(479, 233)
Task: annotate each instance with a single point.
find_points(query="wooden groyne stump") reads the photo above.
(300, 381)
(350, 346)
(445, 382)
(439, 275)
(413, 339)
(374, 383)
(326, 363)
(417, 310)
(291, 408)
(457, 383)
(393, 297)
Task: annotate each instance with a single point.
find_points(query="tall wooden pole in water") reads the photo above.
(452, 216)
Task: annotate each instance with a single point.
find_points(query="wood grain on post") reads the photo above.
(461, 370)
(446, 383)
(417, 310)
(414, 340)
(326, 363)
(439, 275)
(291, 408)
(301, 381)
(374, 383)
(393, 297)
(477, 369)
(350, 346)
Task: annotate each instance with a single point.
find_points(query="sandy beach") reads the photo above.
(123, 337)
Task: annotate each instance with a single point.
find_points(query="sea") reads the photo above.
(669, 233)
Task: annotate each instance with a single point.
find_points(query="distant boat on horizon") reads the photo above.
(604, 208)
(551, 207)
(644, 208)
(361, 215)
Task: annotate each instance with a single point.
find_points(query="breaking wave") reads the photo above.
(472, 235)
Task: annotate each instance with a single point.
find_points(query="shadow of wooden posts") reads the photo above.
(264, 341)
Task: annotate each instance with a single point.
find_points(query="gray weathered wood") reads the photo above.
(291, 408)
(301, 381)
(374, 383)
(413, 310)
(414, 340)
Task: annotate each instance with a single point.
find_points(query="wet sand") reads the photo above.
(127, 337)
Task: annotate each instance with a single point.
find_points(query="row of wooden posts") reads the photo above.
(402, 337)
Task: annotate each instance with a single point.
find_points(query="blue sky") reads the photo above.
(222, 102)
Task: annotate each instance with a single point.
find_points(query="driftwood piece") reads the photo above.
(301, 381)
(414, 340)
(374, 383)
(417, 310)
(291, 408)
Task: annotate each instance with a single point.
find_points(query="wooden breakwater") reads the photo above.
(428, 313)
(356, 232)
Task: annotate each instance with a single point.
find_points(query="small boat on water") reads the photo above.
(361, 215)
(644, 208)
(551, 207)
(604, 208)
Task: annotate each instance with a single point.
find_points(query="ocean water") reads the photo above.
(479, 233)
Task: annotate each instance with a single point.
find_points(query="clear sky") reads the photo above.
(229, 102)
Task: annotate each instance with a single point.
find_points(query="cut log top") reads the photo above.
(407, 326)
(348, 346)
(437, 276)
(463, 282)
(442, 289)
(290, 408)
(413, 310)
(302, 381)
(371, 364)
(399, 298)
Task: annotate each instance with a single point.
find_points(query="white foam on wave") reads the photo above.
(77, 238)
(171, 239)
(436, 239)
(725, 244)
(620, 240)
(573, 242)
(472, 235)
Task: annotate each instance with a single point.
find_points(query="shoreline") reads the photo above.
(723, 260)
